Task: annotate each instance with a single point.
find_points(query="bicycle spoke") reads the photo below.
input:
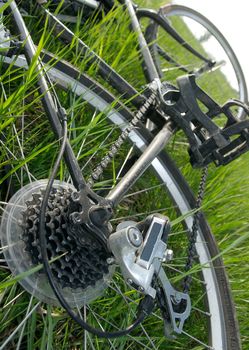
(198, 341)
(133, 313)
(12, 217)
(3, 346)
(124, 163)
(84, 140)
(20, 142)
(201, 311)
(30, 175)
(141, 214)
(86, 334)
(24, 324)
(117, 328)
(101, 327)
(94, 154)
(144, 190)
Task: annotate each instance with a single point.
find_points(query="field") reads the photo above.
(225, 203)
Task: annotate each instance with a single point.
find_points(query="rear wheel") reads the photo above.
(29, 149)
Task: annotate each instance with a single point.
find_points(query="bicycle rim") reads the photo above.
(212, 320)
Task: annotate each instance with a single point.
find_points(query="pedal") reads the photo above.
(209, 142)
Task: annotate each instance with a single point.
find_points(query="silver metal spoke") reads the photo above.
(86, 334)
(141, 325)
(124, 162)
(198, 341)
(186, 66)
(201, 311)
(11, 204)
(183, 273)
(3, 346)
(24, 325)
(12, 155)
(87, 133)
(20, 144)
(7, 312)
(101, 145)
(117, 328)
(101, 327)
(22, 155)
(144, 214)
(144, 190)
(82, 144)
(4, 211)
(15, 158)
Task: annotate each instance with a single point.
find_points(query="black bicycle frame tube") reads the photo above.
(47, 98)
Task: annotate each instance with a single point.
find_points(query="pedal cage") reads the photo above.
(208, 141)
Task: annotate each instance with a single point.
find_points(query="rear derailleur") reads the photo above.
(139, 249)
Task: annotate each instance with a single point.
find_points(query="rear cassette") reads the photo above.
(81, 272)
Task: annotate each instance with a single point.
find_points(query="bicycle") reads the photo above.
(55, 220)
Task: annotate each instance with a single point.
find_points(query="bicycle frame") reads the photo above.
(53, 109)
(57, 118)
(219, 148)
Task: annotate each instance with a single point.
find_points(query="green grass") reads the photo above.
(226, 202)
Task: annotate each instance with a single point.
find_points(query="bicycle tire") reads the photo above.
(204, 37)
(222, 325)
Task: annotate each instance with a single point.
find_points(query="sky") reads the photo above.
(231, 17)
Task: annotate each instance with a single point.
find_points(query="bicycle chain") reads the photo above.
(98, 171)
(193, 235)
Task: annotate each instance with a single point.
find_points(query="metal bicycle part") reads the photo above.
(140, 258)
(174, 32)
(220, 312)
(179, 306)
